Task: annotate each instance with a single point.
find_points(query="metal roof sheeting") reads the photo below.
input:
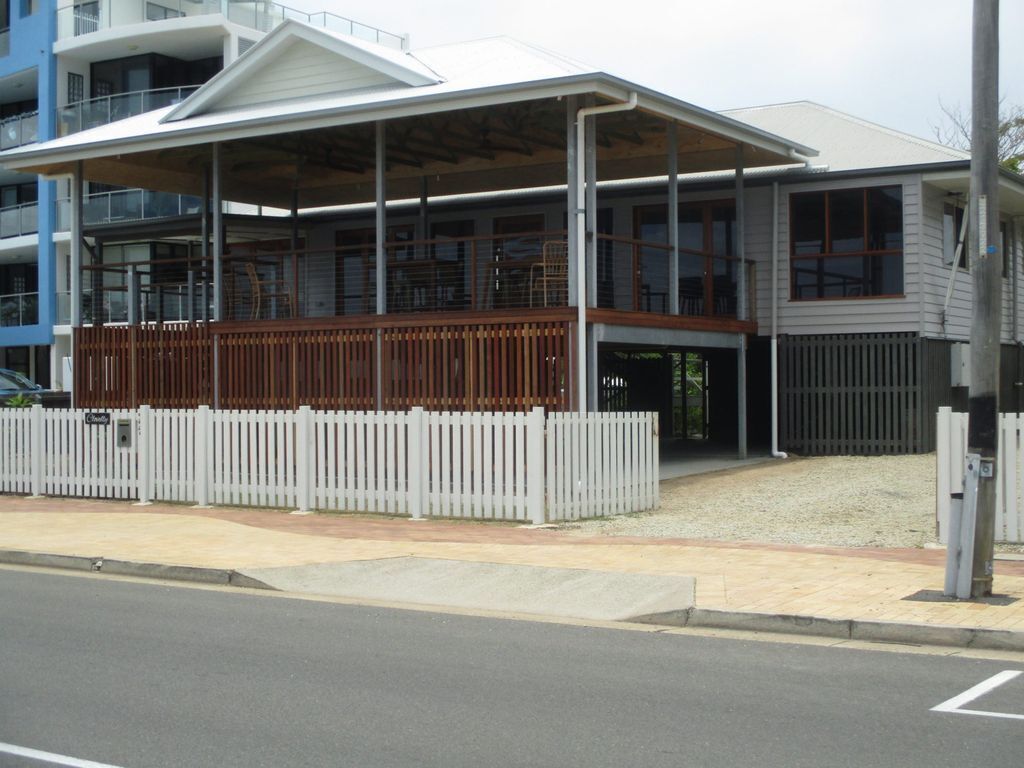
(845, 142)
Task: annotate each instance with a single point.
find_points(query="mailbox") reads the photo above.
(124, 433)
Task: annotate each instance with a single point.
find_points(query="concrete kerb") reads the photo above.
(99, 564)
(842, 629)
(792, 624)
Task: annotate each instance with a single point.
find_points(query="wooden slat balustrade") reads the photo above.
(500, 361)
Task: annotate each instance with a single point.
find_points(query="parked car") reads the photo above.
(13, 383)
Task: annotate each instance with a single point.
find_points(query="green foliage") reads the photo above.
(20, 401)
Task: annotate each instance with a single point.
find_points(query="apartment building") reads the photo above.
(67, 67)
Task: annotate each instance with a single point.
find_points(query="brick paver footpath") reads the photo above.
(859, 584)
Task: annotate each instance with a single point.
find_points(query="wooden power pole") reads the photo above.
(986, 268)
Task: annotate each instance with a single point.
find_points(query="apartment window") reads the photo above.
(18, 194)
(76, 88)
(846, 243)
(156, 12)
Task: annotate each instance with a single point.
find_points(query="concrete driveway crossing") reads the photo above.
(829, 583)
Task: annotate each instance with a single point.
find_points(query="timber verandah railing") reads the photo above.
(472, 323)
(458, 361)
(472, 273)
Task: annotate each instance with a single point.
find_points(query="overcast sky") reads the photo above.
(889, 61)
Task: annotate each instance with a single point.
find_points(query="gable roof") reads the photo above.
(846, 142)
(498, 70)
(310, 60)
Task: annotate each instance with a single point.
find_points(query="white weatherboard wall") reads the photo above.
(500, 466)
(836, 316)
(951, 448)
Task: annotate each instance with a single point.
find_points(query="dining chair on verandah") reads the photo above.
(269, 289)
(551, 274)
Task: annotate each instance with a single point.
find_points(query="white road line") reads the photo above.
(985, 686)
(50, 757)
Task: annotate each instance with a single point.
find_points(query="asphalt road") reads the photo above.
(132, 674)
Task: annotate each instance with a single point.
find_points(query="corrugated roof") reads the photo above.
(845, 142)
(471, 71)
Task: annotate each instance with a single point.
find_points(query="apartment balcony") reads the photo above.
(19, 309)
(92, 113)
(19, 130)
(18, 220)
(127, 205)
(85, 18)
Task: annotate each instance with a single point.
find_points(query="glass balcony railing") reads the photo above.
(19, 130)
(19, 309)
(18, 220)
(63, 316)
(127, 205)
(83, 18)
(103, 110)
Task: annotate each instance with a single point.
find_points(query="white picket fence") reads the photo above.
(500, 466)
(951, 448)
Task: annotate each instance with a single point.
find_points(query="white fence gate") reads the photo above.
(951, 448)
(499, 466)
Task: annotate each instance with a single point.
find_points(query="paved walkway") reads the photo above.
(861, 584)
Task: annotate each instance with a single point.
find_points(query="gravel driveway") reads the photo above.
(846, 501)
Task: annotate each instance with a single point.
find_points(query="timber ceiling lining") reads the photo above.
(507, 146)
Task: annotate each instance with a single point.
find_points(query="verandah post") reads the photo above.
(417, 449)
(535, 465)
(36, 450)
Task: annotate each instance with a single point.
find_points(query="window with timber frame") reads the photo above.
(846, 243)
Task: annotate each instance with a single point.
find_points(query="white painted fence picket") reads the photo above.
(80, 459)
(496, 466)
(601, 464)
(951, 448)
(16, 451)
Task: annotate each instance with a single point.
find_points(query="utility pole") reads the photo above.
(986, 268)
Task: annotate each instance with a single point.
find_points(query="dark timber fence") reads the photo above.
(861, 394)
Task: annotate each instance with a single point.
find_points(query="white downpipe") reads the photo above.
(581, 241)
(776, 453)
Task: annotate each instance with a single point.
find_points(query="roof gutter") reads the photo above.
(581, 241)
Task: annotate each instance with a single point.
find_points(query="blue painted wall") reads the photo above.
(31, 47)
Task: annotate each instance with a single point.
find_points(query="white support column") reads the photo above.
(416, 450)
(740, 245)
(76, 247)
(673, 218)
(572, 202)
(423, 222)
(381, 220)
(590, 181)
(741, 308)
(535, 466)
(218, 237)
(381, 261)
(36, 451)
